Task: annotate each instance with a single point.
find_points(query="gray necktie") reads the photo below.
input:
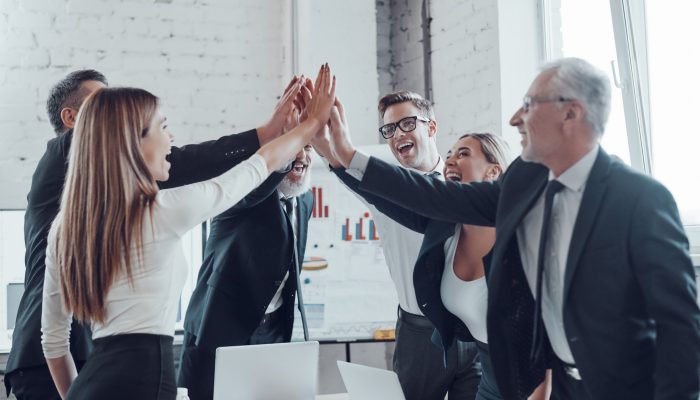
(553, 187)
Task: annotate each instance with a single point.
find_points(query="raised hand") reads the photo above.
(319, 107)
(341, 146)
(322, 145)
(304, 97)
(275, 126)
(292, 120)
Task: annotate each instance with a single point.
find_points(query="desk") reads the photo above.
(337, 396)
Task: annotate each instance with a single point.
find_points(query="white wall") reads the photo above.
(218, 66)
(484, 57)
(344, 34)
(465, 63)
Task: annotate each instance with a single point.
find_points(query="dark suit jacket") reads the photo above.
(430, 264)
(248, 252)
(189, 164)
(630, 309)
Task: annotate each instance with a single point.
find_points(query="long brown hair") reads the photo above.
(108, 191)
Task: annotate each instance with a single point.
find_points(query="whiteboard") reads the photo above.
(354, 295)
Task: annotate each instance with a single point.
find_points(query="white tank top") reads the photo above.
(465, 299)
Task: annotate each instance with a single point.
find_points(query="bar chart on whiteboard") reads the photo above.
(348, 293)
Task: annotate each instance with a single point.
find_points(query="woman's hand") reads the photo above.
(323, 96)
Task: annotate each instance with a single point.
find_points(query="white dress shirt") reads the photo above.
(400, 244)
(150, 304)
(564, 212)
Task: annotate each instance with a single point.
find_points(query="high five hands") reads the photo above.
(332, 141)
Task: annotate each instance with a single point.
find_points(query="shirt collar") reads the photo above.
(575, 177)
(283, 197)
(439, 168)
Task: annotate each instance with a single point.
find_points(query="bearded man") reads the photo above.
(246, 288)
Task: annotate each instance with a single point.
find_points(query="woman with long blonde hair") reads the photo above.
(114, 257)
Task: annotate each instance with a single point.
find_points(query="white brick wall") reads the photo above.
(465, 62)
(217, 65)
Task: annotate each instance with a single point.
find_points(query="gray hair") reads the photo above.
(577, 79)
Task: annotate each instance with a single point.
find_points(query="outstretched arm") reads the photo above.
(473, 203)
(199, 162)
(185, 207)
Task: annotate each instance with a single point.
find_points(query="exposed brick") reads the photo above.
(215, 64)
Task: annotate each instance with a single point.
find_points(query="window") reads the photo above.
(572, 35)
(12, 270)
(673, 87)
(650, 125)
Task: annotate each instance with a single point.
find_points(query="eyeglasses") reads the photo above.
(530, 100)
(405, 124)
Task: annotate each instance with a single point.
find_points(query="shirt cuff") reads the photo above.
(358, 165)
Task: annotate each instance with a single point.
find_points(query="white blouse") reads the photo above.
(150, 304)
(465, 299)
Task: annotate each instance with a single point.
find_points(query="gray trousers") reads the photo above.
(420, 364)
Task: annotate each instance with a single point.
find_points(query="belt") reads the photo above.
(414, 319)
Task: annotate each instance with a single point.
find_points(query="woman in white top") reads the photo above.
(114, 257)
(449, 276)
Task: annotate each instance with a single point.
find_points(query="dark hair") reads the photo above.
(425, 106)
(67, 93)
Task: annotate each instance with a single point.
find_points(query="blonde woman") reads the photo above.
(114, 258)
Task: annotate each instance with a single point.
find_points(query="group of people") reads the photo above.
(564, 261)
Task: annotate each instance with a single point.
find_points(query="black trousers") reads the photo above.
(129, 366)
(35, 383)
(565, 387)
(488, 389)
(420, 364)
(197, 364)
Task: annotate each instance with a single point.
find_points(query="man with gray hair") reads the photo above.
(590, 273)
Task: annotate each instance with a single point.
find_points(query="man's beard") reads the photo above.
(288, 188)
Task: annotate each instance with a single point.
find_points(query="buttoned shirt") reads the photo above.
(400, 244)
(565, 209)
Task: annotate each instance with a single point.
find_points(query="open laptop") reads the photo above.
(367, 383)
(286, 371)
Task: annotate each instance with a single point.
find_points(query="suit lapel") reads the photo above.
(522, 205)
(590, 204)
(435, 235)
(304, 204)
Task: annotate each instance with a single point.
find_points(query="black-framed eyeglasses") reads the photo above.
(405, 124)
(528, 101)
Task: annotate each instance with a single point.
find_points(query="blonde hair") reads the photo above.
(494, 148)
(107, 193)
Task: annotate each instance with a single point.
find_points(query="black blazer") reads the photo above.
(248, 252)
(430, 264)
(630, 306)
(189, 164)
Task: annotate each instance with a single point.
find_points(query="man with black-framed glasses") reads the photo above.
(424, 371)
(590, 274)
